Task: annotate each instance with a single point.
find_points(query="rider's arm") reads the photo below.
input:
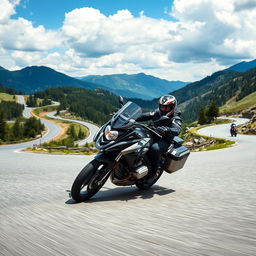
(145, 116)
(168, 132)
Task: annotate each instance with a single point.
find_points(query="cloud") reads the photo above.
(204, 36)
(7, 8)
(21, 35)
(218, 23)
(243, 5)
(92, 34)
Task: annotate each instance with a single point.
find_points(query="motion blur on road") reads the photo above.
(207, 208)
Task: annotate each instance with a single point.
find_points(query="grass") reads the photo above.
(238, 106)
(60, 151)
(37, 111)
(7, 97)
(219, 142)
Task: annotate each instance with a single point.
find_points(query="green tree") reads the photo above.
(32, 127)
(212, 111)
(81, 134)
(17, 130)
(72, 132)
(202, 116)
(3, 126)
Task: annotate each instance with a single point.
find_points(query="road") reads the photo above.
(207, 208)
(93, 129)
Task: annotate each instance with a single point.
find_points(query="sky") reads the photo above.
(176, 40)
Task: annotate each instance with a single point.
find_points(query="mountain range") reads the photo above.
(38, 78)
(224, 86)
(32, 79)
(137, 85)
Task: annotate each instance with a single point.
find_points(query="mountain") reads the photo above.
(243, 66)
(94, 105)
(37, 78)
(221, 87)
(136, 86)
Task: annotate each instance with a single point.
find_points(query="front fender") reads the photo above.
(103, 158)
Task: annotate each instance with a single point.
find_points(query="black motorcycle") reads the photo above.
(233, 131)
(124, 144)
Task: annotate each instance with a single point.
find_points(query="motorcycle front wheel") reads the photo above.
(89, 181)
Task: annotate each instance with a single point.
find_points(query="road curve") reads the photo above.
(93, 129)
(52, 131)
(208, 208)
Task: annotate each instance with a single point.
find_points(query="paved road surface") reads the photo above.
(208, 208)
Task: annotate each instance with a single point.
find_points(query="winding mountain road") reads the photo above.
(93, 129)
(207, 208)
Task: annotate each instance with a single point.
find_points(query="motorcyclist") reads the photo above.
(233, 129)
(168, 129)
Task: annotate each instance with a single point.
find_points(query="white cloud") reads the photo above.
(207, 35)
(220, 24)
(7, 8)
(21, 35)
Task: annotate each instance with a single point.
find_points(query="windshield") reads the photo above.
(126, 115)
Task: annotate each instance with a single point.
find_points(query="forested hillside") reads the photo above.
(220, 88)
(94, 105)
(140, 85)
(35, 78)
(233, 89)
(9, 90)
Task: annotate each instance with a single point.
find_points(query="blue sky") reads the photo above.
(40, 11)
(175, 40)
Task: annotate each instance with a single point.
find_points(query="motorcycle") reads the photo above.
(124, 144)
(233, 131)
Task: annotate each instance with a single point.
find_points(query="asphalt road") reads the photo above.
(207, 208)
(93, 129)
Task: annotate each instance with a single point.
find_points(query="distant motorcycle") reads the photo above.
(233, 131)
(123, 145)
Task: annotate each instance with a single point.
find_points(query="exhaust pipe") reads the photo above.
(140, 172)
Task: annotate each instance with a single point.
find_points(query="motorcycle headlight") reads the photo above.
(109, 134)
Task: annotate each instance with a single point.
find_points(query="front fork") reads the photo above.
(108, 164)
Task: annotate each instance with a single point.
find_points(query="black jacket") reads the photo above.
(167, 128)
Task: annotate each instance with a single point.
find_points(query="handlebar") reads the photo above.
(149, 129)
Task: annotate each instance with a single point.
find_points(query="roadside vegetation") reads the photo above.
(234, 107)
(197, 142)
(207, 116)
(7, 97)
(13, 127)
(20, 130)
(66, 141)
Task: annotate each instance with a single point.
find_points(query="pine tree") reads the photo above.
(3, 126)
(202, 116)
(213, 111)
(72, 132)
(17, 130)
(81, 134)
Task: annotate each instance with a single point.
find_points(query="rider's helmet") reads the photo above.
(167, 105)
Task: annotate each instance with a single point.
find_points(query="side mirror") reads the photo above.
(121, 100)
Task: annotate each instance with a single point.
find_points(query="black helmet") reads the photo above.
(167, 105)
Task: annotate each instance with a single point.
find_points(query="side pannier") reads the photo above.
(176, 158)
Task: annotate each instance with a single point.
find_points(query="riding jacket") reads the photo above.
(168, 128)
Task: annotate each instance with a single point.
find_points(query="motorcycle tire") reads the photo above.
(143, 183)
(88, 178)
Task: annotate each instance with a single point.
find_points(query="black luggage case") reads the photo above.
(176, 158)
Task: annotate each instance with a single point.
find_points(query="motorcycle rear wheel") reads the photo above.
(89, 181)
(143, 183)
